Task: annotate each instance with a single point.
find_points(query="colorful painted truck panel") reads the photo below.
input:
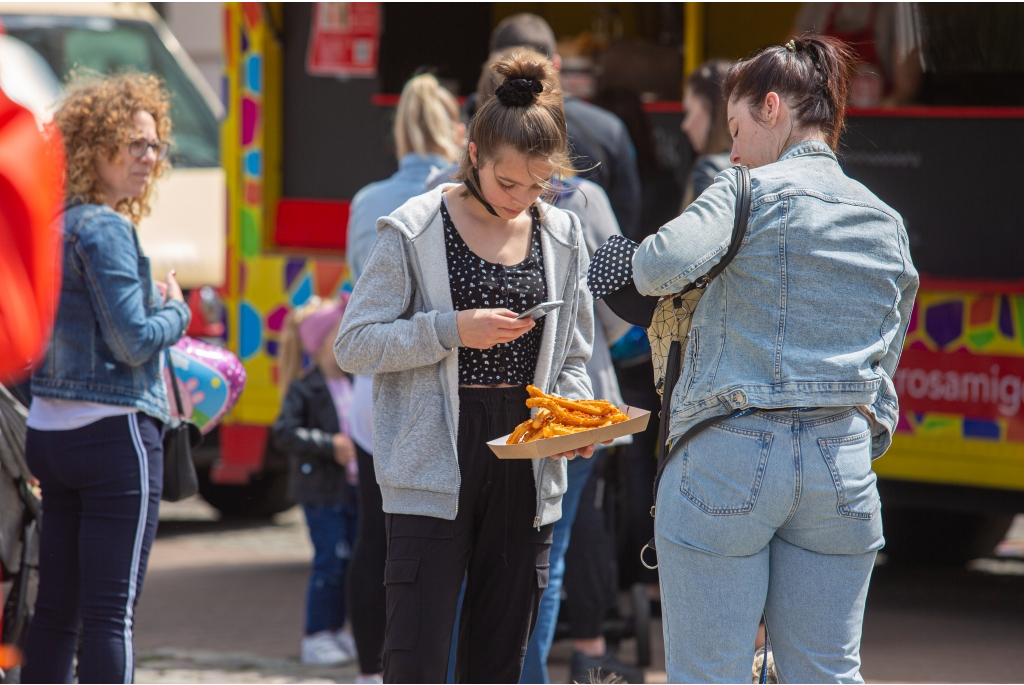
(960, 387)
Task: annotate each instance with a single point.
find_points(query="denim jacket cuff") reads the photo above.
(183, 310)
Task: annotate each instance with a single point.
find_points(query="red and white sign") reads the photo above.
(960, 383)
(344, 39)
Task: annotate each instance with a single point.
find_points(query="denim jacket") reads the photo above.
(111, 324)
(813, 310)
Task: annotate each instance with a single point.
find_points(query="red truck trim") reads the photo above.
(939, 112)
(988, 286)
(305, 222)
(241, 453)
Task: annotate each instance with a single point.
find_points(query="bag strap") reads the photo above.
(672, 368)
(174, 385)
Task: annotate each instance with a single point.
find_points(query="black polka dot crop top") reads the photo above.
(479, 284)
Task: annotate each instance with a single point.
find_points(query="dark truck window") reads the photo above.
(108, 46)
(954, 172)
(971, 53)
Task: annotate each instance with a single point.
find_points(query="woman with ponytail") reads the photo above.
(767, 502)
(433, 318)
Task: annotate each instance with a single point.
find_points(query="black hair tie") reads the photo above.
(518, 92)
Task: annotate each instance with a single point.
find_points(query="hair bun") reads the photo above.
(519, 92)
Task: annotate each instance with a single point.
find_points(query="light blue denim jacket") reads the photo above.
(111, 324)
(813, 310)
(380, 199)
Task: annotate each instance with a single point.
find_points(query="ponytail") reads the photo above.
(811, 72)
(426, 117)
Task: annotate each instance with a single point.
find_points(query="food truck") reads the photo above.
(311, 91)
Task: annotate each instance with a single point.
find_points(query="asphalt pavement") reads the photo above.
(223, 602)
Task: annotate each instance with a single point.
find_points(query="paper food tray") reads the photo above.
(545, 447)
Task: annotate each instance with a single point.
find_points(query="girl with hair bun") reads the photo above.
(429, 135)
(433, 318)
(767, 500)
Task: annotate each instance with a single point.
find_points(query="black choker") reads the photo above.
(471, 185)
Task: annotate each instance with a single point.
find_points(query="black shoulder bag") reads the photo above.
(180, 480)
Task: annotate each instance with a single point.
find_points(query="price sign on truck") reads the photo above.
(344, 39)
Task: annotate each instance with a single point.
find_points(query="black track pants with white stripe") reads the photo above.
(101, 496)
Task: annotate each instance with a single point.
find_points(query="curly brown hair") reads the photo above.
(96, 116)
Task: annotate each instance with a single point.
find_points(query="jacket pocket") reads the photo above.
(723, 468)
(690, 354)
(403, 603)
(849, 461)
(417, 456)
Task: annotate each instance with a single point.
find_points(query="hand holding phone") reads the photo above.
(541, 310)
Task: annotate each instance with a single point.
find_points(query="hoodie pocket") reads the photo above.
(418, 455)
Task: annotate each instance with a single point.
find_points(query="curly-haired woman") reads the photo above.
(99, 403)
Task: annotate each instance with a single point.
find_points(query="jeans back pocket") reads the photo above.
(849, 461)
(723, 468)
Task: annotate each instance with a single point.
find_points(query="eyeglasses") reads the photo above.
(140, 146)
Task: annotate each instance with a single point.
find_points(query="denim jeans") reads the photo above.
(332, 528)
(774, 511)
(535, 668)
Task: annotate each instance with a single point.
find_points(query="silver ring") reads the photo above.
(645, 548)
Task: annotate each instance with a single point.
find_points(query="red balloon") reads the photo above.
(31, 196)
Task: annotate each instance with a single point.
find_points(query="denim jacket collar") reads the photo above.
(807, 147)
(419, 166)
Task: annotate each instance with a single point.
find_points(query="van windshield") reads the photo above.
(107, 46)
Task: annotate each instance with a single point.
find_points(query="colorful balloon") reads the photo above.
(210, 379)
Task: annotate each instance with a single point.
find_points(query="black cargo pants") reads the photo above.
(492, 543)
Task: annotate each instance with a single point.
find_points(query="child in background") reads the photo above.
(312, 430)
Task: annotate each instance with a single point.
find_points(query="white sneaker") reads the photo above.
(321, 649)
(346, 642)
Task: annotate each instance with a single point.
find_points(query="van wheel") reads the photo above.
(264, 495)
(923, 537)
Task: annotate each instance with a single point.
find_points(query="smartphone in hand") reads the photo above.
(541, 310)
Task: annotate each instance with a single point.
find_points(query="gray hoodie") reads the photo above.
(400, 326)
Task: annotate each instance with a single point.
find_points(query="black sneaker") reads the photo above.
(603, 669)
